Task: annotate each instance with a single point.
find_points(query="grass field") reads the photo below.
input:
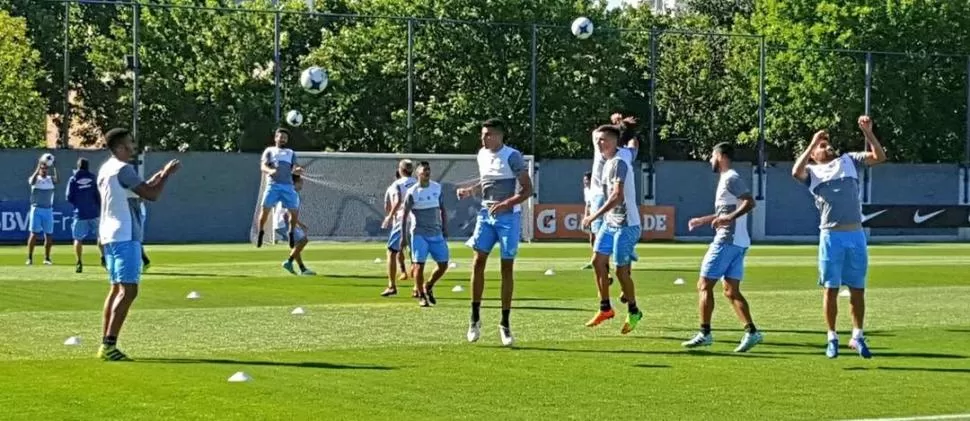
(355, 355)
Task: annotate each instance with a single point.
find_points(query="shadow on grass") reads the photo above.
(868, 333)
(957, 330)
(651, 365)
(925, 369)
(195, 275)
(304, 364)
(767, 342)
(330, 275)
(541, 308)
(515, 300)
(876, 355)
(642, 352)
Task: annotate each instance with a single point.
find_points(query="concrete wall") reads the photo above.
(213, 198)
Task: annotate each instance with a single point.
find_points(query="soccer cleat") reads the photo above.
(430, 296)
(587, 266)
(632, 320)
(600, 317)
(30, 262)
(749, 341)
(78, 267)
(111, 353)
(698, 340)
(288, 265)
(48, 262)
(859, 344)
(506, 335)
(474, 331)
(832, 349)
(307, 272)
(389, 292)
(259, 239)
(414, 293)
(423, 302)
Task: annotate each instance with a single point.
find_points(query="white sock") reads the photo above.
(833, 336)
(856, 333)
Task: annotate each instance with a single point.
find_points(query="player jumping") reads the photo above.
(82, 194)
(620, 232)
(843, 258)
(397, 241)
(428, 231)
(41, 217)
(279, 164)
(501, 168)
(120, 232)
(300, 234)
(725, 256)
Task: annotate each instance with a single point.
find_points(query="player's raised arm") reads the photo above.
(799, 171)
(877, 154)
(33, 177)
(53, 174)
(150, 190)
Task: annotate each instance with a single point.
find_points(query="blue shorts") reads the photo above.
(396, 241)
(422, 246)
(123, 261)
(843, 259)
(620, 242)
(723, 261)
(281, 193)
(284, 232)
(82, 228)
(597, 203)
(41, 220)
(504, 229)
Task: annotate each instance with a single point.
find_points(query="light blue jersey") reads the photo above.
(498, 171)
(427, 234)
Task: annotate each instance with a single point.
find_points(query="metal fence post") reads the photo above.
(65, 137)
(410, 85)
(762, 144)
(276, 63)
(652, 135)
(966, 146)
(534, 87)
(867, 172)
(136, 69)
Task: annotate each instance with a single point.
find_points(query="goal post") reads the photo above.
(343, 195)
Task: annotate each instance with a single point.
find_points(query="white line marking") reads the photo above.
(925, 418)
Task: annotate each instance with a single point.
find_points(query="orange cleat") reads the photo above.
(600, 317)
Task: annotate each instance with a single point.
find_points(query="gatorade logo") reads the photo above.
(565, 222)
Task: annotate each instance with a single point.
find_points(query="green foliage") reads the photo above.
(22, 119)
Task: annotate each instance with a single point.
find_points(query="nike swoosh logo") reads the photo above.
(919, 219)
(873, 215)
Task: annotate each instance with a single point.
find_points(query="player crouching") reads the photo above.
(300, 239)
(427, 231)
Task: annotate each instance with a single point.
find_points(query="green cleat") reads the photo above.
(632, 320)
(111, 353)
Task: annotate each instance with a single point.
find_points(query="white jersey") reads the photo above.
(499, 173)
(727, 197)
(589, 196)
(397, 191)
(620, 169)
(121, 218)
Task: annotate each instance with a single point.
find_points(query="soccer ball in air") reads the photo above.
(294, 118)
(582, 28)
(314, 80)
(47, 159)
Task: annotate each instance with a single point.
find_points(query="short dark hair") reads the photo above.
(283, 130)
(726, 149)
(424, 164)
(82, 164)
(611, 129)
(588, 174)
(495, 123)
(115, 136)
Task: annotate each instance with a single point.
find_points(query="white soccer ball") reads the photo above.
(314, 80)
(294, 118)
(47, 159)
(582, 28)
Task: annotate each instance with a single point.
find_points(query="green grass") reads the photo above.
(358, 356)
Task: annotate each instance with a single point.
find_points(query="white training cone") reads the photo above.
(239, 377)
(377, 260)
(679, 281)
(193, 295)
(72, 341)
(452, 265)
(457, 288)
(844, 293)
(298, 311)
(550, 272)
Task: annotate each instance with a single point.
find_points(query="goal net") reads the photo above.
(343, 195)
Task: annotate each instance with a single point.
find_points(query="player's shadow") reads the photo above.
(356, 277)
(644, 352)
(651, 365)
(926, 355)
(957, 330)
(304, 364)
(515, 300)
(769, 331)
(541, 308)
(768, 342)
(924, 369)
(196, 275)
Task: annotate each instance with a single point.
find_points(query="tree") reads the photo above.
(22, 122)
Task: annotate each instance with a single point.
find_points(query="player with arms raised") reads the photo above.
(423, 200)
(397, 240)
(41, 216)
(620, 232)
(843, 256)
(501, 169)
(725, 256)
(279, 164)
(120, 231)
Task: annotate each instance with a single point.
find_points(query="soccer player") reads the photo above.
(501, 168)
(843, 258)
(279, 165)
(725, 256)
(282, 229)
(120, 231)
(41, 217)
(620, 232)
(397, 240)
(82, 193)
(428, 232)
(588, 196)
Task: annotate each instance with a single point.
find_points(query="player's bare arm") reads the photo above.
(33, 177)
(699, 221)
(444, 219)
(523, 194)
(152, 192)
(616, 196)
(395, 205)
(799, 171)
(746, 205)
(53, 172)
(465, 192)
(877, 154)
(267, 169)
